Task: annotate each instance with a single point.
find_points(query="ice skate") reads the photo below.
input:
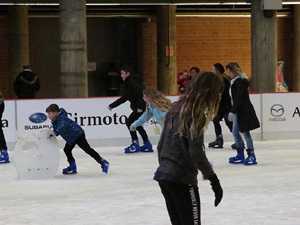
(218, 143)
(134, 147)
(251, 159)
(4, 158)
(105, 166)
(239, 158)
(147, 147)
(72, 169)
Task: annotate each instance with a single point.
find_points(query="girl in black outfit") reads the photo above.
(225, 105)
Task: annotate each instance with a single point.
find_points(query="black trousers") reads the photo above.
(2, 138)
(133, 117)
(84, 145)
(183, 202)
(217, 119)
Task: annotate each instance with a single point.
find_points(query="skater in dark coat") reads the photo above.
(181, 150)
(242, 114)
(225, 105)
(134, 94)
(4, 157)
(26, 84)
(73, 134)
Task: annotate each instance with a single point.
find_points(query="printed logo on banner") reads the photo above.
(277, 112)
(38, 117)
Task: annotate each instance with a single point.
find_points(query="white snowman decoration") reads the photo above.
(40, 161)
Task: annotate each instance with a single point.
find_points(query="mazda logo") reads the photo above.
(277, 110)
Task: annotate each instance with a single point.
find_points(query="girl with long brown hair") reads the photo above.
(181, 149)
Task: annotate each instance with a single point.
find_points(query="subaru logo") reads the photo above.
(277, 110)
(38, 118)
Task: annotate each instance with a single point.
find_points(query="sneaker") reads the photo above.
(134, 147)
(105, 166)
(147, 147)
(218, 143)
(239, 158)
(4, 158)
(72, 169)
(251, 159)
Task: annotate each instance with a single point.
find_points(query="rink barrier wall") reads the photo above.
(278, 113)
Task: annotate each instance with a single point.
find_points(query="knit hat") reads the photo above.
(219, 67)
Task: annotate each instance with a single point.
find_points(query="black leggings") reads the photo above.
(2, 138)
(84, 145)
(133, 117)
(217, 119)
(183, 202)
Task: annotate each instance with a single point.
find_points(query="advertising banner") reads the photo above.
(276, 113)
(9, 121)
(281, 112)
(91, 114)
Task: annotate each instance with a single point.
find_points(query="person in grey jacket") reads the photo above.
(181, 149)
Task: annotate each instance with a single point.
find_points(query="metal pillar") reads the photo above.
(73, 45)
(18, 42)
(263, 48)
(166, 49)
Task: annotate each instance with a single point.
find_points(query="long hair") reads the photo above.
(159, 101)
(235, 67)
(200, 103)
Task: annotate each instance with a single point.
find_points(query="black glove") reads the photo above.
(216, 187)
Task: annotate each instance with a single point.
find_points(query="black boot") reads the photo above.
(218, 143)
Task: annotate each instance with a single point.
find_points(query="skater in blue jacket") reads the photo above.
(4, 157)
(157, 106)
(73, 134)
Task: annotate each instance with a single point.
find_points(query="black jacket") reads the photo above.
(225, 103)
(242, 106)
(133, 93)
(26, 84)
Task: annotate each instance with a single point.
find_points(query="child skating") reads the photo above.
(73, 134)
(157, 106)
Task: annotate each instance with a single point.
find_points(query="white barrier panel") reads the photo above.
(91, 114)
(277, 112)
(9, 121)
(281, 112)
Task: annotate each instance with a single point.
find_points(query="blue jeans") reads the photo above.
(238, 138)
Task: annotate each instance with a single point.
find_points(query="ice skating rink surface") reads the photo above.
(265, 194)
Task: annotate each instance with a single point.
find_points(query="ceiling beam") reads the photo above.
(139, 2)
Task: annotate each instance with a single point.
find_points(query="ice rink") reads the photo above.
(265, 194)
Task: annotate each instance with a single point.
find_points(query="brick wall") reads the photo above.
(202, 42)
(285, 47)
(149, 55)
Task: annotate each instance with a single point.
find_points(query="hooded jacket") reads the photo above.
(66, 128)
(26, 84)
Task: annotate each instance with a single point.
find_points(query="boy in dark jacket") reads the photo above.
(73, 134)
(134, 94)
